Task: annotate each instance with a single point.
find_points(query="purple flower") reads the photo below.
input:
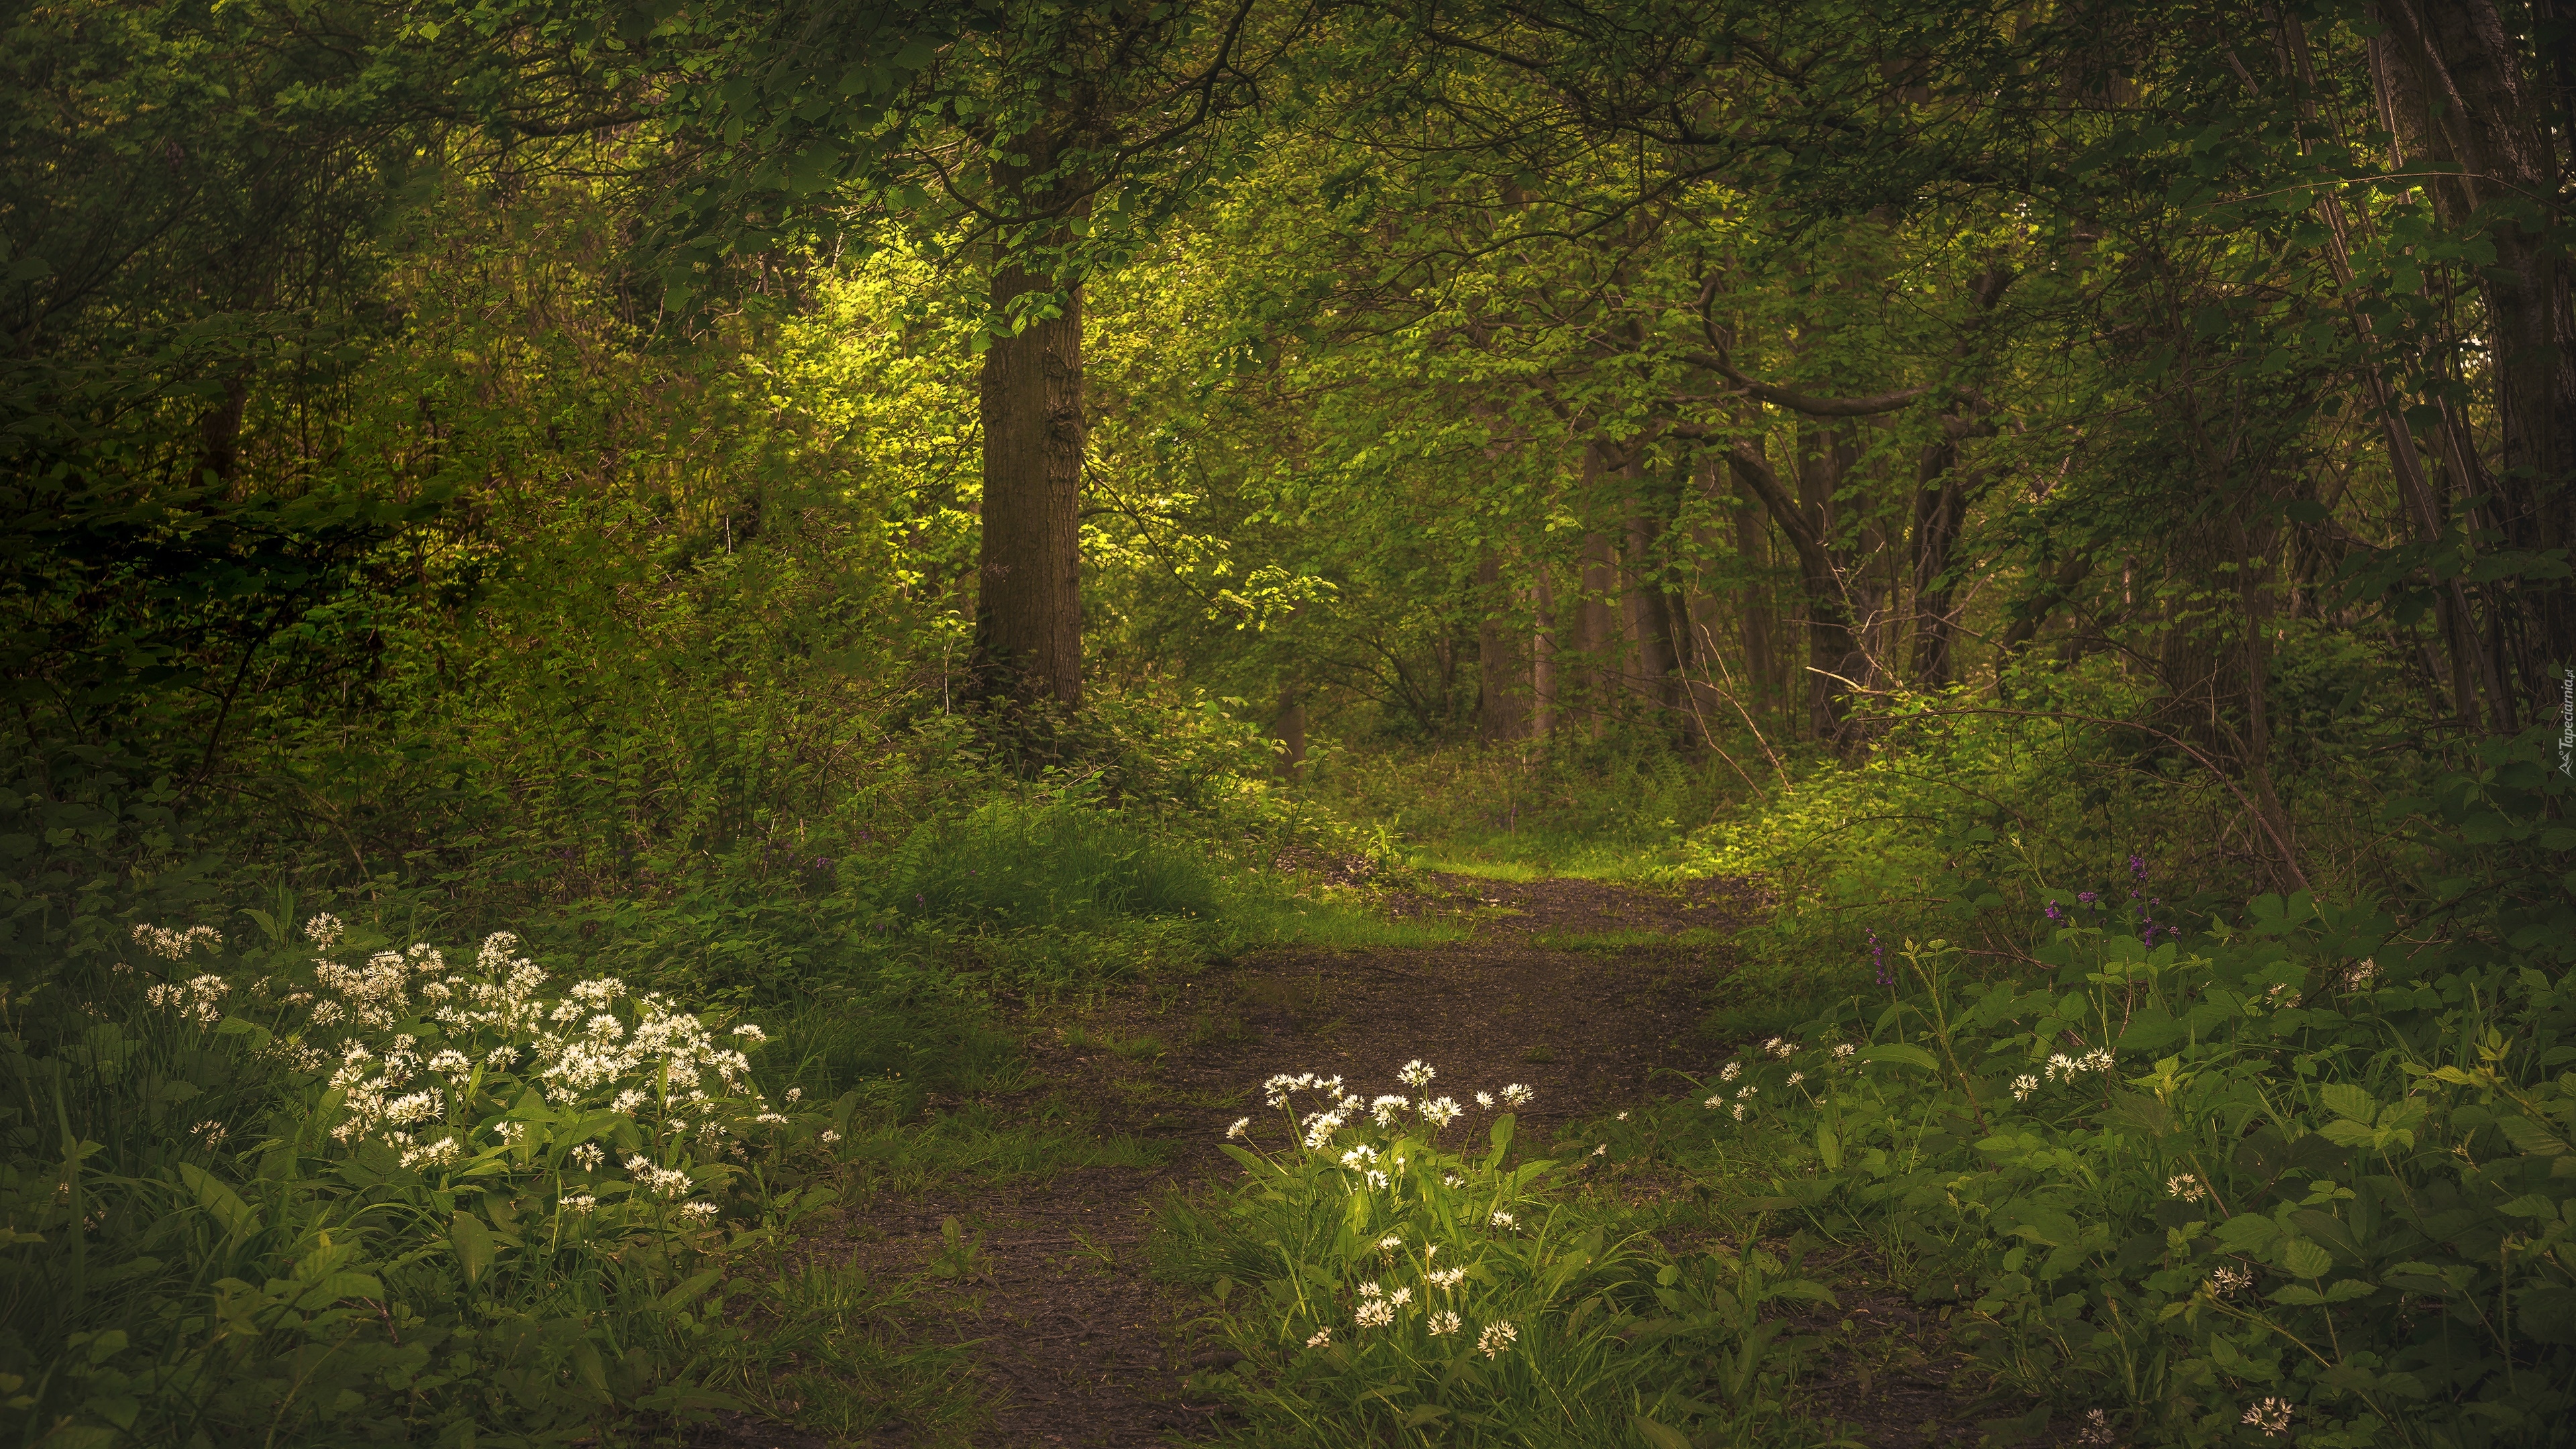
(2138, 867)
(1878, 958)
(2088, 897)
(2052, 912)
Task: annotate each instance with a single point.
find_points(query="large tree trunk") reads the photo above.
(1028, 606)
(2456, 92)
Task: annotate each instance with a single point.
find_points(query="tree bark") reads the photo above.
(1028, 605)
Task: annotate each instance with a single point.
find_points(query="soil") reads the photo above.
(1077, 1344)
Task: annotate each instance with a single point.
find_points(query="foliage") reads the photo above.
(1397, 1288)
(414, 1202)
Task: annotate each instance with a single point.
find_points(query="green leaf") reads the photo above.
(678, 1298)
(1658, 1436)
(225, 1204)
(2306, 1259)
(1904, 1054)
(473, 1244)
(2350, 1102)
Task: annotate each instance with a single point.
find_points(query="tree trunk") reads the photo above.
(1028, 606)
(2456, 92)
(1290, 731)
(1543, 671)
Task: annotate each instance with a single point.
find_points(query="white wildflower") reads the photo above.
(2272, 1416)
(2228, 1279)
(1502, 1219)
(588, 1155)
(580, 1202)
(2023, 1086)
(1440, 1111)
(1370, 1289)
(2186, 1186)
(1387, 1108)
(1485, 1100)
(1242, 1128)
(698, 1210)
(1843, 1051)
(1400, 1297)
(1730, 1071)
(1446, 1278)
(1443, 1324)
(323, 930)
(1497, 1336)
(1373, 1313)
(1415, 1074)
(1390, 1243)
(1321, 1338)
(1517, 1095)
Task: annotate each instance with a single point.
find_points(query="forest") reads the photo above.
(1654, 724)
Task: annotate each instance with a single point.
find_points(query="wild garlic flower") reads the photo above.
(1450, 1179)
(1715, 1102)
(1390, 1243)
(442, 1153)
(1498, 1335)
(1748, 1090)
(1359, 1156)
(211, 1131)
(323, 931)
(699, 1211)
(2228, 1279)
(1730, 1071)
(1373, 1313)
(751, 1032)
(1440, 1111)
(2186, 1186)
(1502, 1219)
(1322, 1337)
(1780, 1048)
(171, 945)
(1796, 1077)
(1400, 1297)
(1416, 1074)
(795, 1093)
(1370, 1289)
(2023, 1086)
(2060, 1065)
(1320, 1127)
(1485, 1100)
(1443, 1324)
(200, 1000)
(580, 1203)
(829, 1137)
(1446, 1278)
(1241, 1129)
(1376, 1179)
(1517, 1095)
(1387, 1108)
(2097, 1060)
(1844, 1050)
(2272, 1416)
(2097, 1429)
(1597, 1151)
(588, 1155)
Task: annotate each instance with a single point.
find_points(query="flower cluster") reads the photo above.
(171, 945)
(2272, 1416)
(199, 1000)
(2186, 1186)
(2062, 1067)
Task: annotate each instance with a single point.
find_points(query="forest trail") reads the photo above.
(1076, 1343)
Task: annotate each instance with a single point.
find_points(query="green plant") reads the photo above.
(1392, 1282)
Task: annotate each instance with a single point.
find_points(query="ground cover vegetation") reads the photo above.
(631, 633)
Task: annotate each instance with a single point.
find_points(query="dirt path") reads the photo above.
(1077, 1344)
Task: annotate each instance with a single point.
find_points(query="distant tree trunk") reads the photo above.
(1502, 675)
(1543, 668)
(1653, 651)
(1596, 630)
(1940, 511)
(1028, 607)
(1290, 730)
